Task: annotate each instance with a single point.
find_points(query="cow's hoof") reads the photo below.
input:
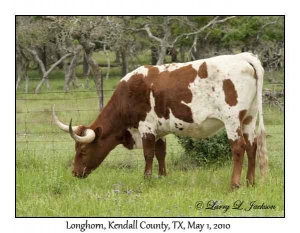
(250, 183)
(235, 186)
(147, 176)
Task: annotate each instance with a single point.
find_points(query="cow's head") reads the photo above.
(90, 148)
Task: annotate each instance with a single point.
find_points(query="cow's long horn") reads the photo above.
(89, 135)
(61, 125)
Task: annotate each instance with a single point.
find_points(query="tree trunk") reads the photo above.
(42, 67)
(26, 80)
(75, 82)
(60, 66)
(182, 53)
(19, 75)
(71, 71)
(162, 54)
(85, 67)
(57, 63)
(124, 62)
(174, 54)
(44, 56)
(88, 47)
(95, 69)
(26, 67)
(87, 74)
(41, 53)
(107, 60)
(117, 60)
(154, 52)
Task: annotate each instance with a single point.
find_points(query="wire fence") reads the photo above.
(36, 132)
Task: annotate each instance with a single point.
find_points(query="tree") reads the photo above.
(36, 32)
(169, 40)
(85, 30)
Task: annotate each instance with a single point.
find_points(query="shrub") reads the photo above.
(214, 150)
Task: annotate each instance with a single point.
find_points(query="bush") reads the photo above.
(214, 150)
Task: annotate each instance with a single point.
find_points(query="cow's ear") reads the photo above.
(98, 132)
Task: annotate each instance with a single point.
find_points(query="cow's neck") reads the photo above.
(110, 121)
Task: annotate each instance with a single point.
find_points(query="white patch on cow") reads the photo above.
(127, 77)
(136, 136)
(197, 64)
(149, 125)
(141, 70)
(171, 67)
(251, 134)
(162, 68)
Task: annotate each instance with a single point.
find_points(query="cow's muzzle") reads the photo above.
(83, 174)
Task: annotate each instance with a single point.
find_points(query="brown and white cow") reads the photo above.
(194, 99)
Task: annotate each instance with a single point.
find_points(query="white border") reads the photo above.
(198, 7)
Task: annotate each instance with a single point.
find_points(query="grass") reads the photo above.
(45, 186)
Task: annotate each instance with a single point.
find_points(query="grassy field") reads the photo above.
(45, 186)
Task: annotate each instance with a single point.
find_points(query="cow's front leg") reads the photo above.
(149, 149)
(160, 153)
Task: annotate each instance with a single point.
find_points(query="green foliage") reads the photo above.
(252, 31)
(214, 150)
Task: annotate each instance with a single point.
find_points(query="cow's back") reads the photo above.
(191, 98)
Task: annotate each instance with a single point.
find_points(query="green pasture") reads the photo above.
(44, 154)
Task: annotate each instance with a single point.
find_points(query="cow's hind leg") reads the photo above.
(237, 144)
(160, 152)
(148, 148)
(251, 145)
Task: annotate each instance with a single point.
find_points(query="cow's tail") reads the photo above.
(261, 151)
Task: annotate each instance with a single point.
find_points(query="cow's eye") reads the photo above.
(83, 151)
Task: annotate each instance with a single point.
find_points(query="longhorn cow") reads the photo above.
(194, 99)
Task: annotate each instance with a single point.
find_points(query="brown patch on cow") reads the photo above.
(247, 141)
(202, 72)
(242, 118)
(251, 153)
(133, 100)
(255, 74)
(239, 132)
(160, 153)
(213, 88)
(247, 120)
(170, 89)
(242, 115)
(238, 150)
(230, 92)
(128, 141)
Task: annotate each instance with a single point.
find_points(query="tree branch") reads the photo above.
(263, 27)
(212, 22)
(147, 29)
(193, 47)
(37, 59)
(56, 64)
